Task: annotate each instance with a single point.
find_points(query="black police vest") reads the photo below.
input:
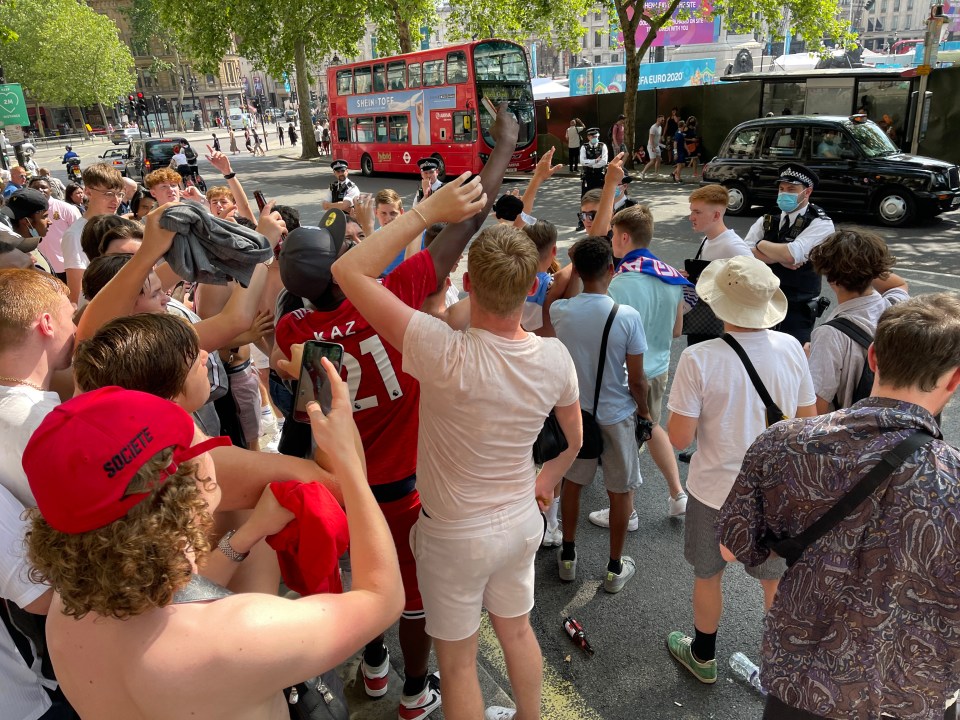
(593, 152)
(804, 283)
(338, 191)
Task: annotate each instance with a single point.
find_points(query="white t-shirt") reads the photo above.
(573, 137)
(180, 158)
(483, 400)
(62, 215)
(22, 409)
(711, 384)
(23, 695)
(74, 258)
(653, 139)
(836, 361)
(725, 245)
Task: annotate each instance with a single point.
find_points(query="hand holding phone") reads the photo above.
(261, 200)
(488, 104)
(314, 384)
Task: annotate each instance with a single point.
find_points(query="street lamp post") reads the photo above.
(193, 95)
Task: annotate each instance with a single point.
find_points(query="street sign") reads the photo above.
(14, 133)
(923, 69)
(13, 108)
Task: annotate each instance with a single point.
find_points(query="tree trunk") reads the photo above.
(630, 102)
(36, 104)
(103, 114)
(308, 146)
(403, 34)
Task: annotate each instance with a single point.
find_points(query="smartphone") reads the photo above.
(261, 200)
(314, 384)
(488, 104)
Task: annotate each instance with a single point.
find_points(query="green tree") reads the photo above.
(274, 34)
(815, 20)
(149, 34)
(558, 22)
(398, 23)
(98, 69)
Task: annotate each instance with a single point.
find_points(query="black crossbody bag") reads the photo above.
(774, 413)
(551, 441)
(790, 549)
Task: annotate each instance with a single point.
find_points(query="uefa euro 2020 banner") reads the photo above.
(613, 78)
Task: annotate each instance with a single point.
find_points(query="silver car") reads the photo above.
(123, 136)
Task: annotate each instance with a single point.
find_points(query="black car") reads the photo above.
(151, 154)
(860, 169)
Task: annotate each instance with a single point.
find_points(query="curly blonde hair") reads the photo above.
(135, 563)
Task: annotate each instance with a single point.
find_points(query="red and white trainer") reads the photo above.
(375, 678)
(418, 706)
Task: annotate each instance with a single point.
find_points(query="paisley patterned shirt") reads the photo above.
(867, 623)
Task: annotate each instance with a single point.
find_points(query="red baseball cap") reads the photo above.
(87, 450)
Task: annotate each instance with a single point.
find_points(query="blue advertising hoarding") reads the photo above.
(613, 78)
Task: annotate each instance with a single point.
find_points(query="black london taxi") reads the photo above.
(860, 169)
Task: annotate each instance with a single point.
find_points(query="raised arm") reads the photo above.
(447, 248)
(222, 164)
(542, 172)
(601, 223)
(356, 272)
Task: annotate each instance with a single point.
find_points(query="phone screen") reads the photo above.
(314, 384)
(488, 104)
(261, 200)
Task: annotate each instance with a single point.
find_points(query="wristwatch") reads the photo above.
(226, 548)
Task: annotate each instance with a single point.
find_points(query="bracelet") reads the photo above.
(229, 176)
(420, 215)
(226, 548)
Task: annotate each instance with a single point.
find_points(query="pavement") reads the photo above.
(632, 675)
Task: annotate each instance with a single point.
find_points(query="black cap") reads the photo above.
(339, 165)
(24, 203)
(627, 179)
(798, 175)
(428, 163)
(622, 117)
(508, 207)
(308, 253)
(593, 131)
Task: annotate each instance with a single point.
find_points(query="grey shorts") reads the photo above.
(657, 387)
(702, 551)
(245, 387)
(620, 459)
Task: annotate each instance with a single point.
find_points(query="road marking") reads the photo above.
(560, 701)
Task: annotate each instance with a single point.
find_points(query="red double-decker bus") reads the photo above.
(388, 113)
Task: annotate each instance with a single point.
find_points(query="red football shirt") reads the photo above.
(386, 400)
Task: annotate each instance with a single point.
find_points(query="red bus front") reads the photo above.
(388, 113)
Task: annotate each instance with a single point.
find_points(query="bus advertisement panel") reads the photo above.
(388, 113)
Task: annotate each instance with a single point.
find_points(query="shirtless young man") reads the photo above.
(119, 648)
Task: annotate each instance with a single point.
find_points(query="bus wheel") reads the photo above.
(366, 165)
(442, 170)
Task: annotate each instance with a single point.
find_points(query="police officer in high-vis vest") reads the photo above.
(343, 191)
(784, 242)
(593, 161)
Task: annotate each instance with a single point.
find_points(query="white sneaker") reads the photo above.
(552, 536)
(499, 713)
(678, 505)
(602, 518)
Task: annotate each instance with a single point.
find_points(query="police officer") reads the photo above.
(343, 191)
(784, 242)
(429, 179)
(593, 161)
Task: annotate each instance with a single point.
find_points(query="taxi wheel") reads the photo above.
(739, 200)
(895, 207)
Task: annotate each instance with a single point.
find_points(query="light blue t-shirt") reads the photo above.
(657, 304)
(579, 324)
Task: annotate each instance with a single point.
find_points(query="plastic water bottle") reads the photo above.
(744, 669)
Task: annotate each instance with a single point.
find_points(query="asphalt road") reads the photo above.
(632, 675)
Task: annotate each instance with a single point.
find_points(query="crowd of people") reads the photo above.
(162, 472)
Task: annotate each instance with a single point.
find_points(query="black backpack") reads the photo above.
(863, 339)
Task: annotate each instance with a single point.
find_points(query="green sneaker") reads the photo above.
(679, 646)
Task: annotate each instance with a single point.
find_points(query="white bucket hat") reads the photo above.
(743, 291)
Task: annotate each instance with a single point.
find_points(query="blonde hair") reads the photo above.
(103, 175)
(388, 197)
(711, 195)
(502, 263)
(220, 191)
(25, 295)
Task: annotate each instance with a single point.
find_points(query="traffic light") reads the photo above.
(313, 96)
(221, 102)
(141, 103)
(132, 106)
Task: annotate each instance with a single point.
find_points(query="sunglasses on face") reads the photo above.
(587, 215)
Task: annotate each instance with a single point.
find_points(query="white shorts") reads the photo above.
(464, 566)
(260, 361)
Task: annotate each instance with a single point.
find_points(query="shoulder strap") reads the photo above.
(772, 408)
(603, 355)
(851, 330)
(790, 549)
(700, 249)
